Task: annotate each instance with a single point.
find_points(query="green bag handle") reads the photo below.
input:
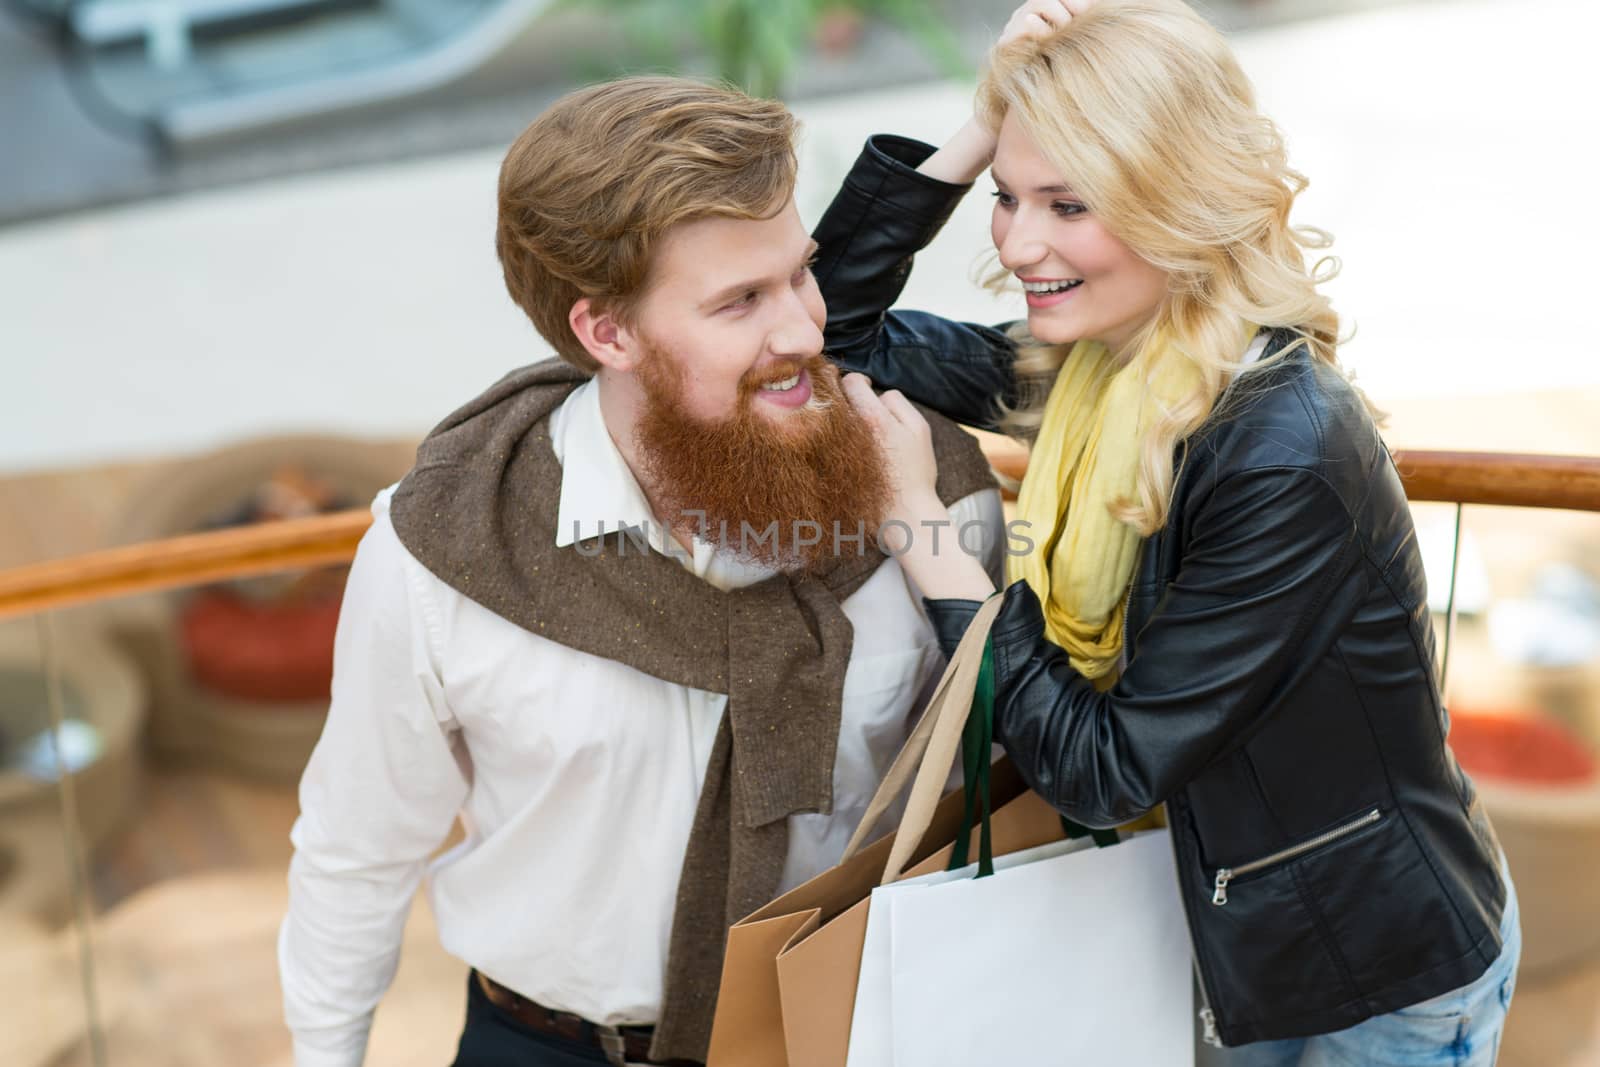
(1102, 838)
(977, 742)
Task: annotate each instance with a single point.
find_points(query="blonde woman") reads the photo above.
(1216, 600)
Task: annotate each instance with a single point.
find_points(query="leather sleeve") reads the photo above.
(881, 217)
(1262, 592)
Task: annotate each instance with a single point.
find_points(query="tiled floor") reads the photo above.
(186, 966)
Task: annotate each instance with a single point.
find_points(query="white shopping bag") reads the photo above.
(871, 1025)
(1068, 954)
(1080, 957)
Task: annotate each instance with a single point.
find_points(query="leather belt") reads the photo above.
(621, 1044)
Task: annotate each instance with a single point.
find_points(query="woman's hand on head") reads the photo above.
(1035, 18)
(968, 153)
(906, 443)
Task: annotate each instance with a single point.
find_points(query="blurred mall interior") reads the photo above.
(246, 261)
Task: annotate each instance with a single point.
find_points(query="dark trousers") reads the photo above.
(494, 1039)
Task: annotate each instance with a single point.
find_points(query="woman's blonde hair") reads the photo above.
(1142, 107)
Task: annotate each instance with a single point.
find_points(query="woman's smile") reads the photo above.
(1044, 292)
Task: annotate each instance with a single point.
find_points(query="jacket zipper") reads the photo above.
(1208, 1018)
(1227, 874)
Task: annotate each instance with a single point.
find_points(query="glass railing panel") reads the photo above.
(1527, 601)
(51, 745)
(1523, 688)
(186, 861)
(186, 857)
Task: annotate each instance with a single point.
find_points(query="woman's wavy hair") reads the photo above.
(1142, 107)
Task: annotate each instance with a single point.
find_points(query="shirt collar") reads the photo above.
(1258, 346)
(599, 494)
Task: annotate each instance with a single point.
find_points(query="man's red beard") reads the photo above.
(814, 474)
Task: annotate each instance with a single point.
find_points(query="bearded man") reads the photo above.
(625, 616)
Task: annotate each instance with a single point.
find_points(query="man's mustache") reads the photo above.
(784, 369)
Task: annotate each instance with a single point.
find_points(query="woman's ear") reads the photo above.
(611, 345)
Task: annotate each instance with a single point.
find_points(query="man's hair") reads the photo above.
(594, 183)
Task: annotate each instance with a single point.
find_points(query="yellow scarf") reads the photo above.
(1085, 459)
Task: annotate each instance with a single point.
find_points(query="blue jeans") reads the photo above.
(1459, 1029)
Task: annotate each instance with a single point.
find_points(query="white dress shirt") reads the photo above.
(576, 777)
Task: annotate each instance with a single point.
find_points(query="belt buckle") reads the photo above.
(612, 1044)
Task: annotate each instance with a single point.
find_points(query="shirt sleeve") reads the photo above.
(379, 794)
(983, 516)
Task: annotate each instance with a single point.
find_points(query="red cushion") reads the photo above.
(1518, 746)
(269, 651)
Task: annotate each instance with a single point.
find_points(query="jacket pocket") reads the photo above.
(1266, 957)
(1226, 875)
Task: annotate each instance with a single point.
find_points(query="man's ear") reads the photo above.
(611, 344)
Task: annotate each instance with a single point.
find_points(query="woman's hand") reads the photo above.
(1035, 18)
(968, 154)
(940, 568)
(906, 443)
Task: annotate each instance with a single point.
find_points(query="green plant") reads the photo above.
(755, 43)
(917, 19)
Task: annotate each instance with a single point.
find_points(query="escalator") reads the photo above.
(194, 72)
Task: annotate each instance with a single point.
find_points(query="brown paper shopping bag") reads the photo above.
(817, 970)
(749, 1026)
(791, 966)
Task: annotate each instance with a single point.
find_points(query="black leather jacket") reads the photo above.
(1279, 692)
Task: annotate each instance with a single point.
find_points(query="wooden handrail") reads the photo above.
(193, 559)
(1502, 478)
